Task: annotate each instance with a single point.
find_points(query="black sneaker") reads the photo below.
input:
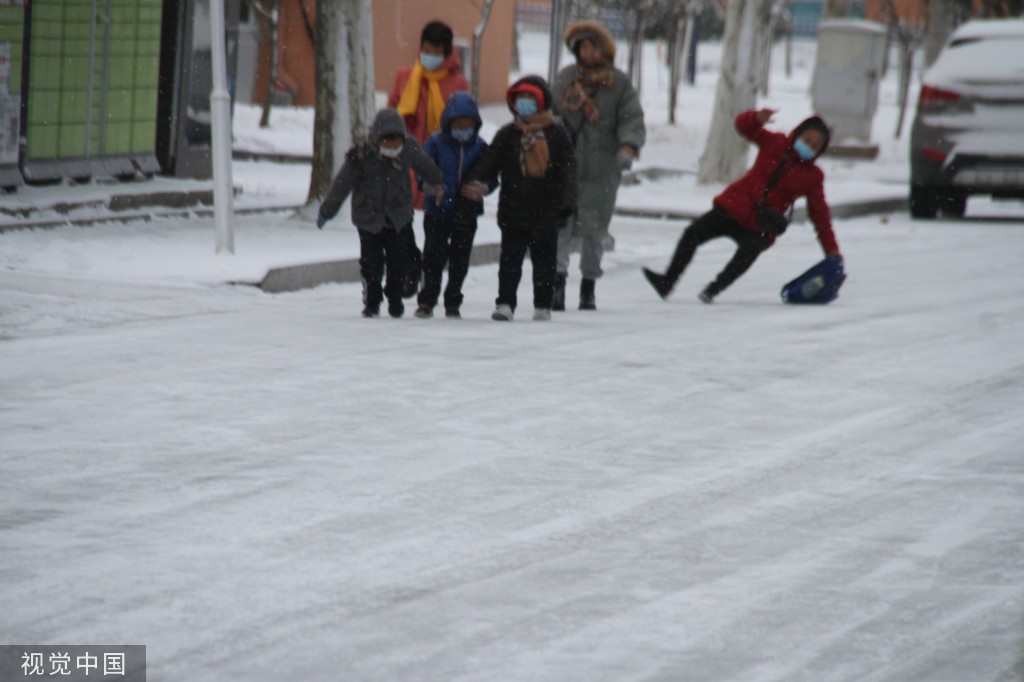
(659, 282)
(423, 312)
(396, 308)
(706, 296)
(371, 311)
(452, 313)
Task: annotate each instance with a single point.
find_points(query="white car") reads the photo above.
(968, 132)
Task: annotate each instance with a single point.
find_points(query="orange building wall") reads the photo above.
(911, 11)
(396, 39)
(296, 58)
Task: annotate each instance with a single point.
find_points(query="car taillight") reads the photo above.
(934, 155)
(936, 97)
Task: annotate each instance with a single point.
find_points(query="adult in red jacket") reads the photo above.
(420, 93)
(783, 172)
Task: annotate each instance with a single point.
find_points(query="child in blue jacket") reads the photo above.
(451, 224)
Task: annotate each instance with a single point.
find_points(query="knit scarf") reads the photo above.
(534, 155)
(578, 94)
(409, 103)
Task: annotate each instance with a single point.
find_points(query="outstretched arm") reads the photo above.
(750, 124)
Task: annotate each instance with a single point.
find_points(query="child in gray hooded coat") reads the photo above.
(376, 173)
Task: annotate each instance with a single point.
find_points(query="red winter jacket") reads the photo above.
(454, 82)
(416, 123)
(801, 179)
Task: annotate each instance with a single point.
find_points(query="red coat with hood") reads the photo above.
(416, 124)
(800, 179)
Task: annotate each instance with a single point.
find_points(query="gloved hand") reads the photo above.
(625, 159)
(474, 191)
(320, 221)
(437, 191)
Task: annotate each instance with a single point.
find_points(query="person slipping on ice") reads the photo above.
(752, 211)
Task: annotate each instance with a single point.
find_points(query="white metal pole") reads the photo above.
(220, 109)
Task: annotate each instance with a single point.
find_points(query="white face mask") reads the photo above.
(391, 153)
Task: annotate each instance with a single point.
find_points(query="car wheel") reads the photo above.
(923, 202)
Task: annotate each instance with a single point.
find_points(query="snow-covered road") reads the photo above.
(268, 487)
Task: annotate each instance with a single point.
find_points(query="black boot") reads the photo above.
(660, 282)
(558, 299)
(587, 299)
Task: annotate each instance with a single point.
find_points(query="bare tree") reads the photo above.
(478, 34)
(746, 28)
(265, 12)
(776, 25)
(679, 16)
(908, 37)
(635, 15)
(943, 17)
(344, 86)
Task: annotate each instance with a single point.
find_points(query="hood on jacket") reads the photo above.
(452, 63)
(813, 122)
(529, 85)
(595, 32)
(386, 122)
(460, 104)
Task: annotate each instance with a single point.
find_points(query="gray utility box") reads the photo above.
(844, 90)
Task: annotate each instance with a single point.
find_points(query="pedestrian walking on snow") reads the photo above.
(601, 108)
(534, 158)
(419, 94)
(753, 210)
(450, 224)
(376, 172)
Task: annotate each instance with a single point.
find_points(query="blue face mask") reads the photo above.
(431, 62)
(805, 152)
(464, 134)
(526, 106)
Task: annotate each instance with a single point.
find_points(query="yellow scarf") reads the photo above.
(410, 101)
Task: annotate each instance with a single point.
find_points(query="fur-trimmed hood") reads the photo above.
(595, 32)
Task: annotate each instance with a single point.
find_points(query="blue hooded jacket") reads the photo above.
(455, 158)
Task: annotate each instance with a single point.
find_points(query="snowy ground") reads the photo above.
(268, 487)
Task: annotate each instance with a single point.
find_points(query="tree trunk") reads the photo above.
(478, 34)
(675, 52)
(725, 156)
(636, 47)
(943, 17)
(345, 104)
(907, 49)
(268, 21)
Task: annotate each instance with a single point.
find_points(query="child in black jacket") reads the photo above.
(375, 173)
(534, 157)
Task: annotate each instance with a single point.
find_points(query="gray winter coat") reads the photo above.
(380, 187)
(597, 147)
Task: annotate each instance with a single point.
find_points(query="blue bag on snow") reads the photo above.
(820, 284)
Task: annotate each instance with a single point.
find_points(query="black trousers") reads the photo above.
(415, 256)
(543, 247)
(445, 243)
(374, 249)
(712, 225)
